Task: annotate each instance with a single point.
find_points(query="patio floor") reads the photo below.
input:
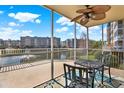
(38, 74)
(30, 76)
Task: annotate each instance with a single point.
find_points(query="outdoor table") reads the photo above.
(92, 66)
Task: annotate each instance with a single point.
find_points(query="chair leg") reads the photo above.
(93, 77)
(66, 84)
(102, 74)
(109, 75)
(99, 71)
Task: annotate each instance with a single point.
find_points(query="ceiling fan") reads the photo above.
(94, 13)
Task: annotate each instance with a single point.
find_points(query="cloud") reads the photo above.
(14, 34)
(81, 28)
(37, 21)
(1, 12)
(71, 35)
(63, 29)
(11, 7)
(26, 33)
(24, 16)
(13, 24)
(95, 28)
(64, 21)
(11, 15)
(94, 32)
(105, 30)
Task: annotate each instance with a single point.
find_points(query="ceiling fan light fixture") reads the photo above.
(93, 16)
(90, 14)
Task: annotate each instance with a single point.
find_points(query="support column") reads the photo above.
(52, 28)
(87, 41)
(102, 37)
(75, 41)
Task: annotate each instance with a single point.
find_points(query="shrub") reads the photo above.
(121, 66)
(97, 54)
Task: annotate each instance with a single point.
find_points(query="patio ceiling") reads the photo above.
(115, 13)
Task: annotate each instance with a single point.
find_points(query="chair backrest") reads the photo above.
(100, 58)
(104, 58)
(74, 73)
(107, 59)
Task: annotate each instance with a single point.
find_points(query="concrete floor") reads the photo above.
(31, 76)
(35, 75)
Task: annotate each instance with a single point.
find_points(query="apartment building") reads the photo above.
(69, 43)
(1, 43)
(115, 34)
(39, 42)
(27, 42)
(11, 43)
(56, 42)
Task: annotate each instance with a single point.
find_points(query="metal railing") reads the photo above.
(21, 56)
(12, 52)
(37, 54)
(117, 60)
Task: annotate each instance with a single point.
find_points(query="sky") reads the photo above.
(35, 20)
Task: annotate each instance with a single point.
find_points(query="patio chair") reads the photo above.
(106, 59)
(75, 77)
(107, 63)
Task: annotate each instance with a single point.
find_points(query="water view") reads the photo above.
(13, 60)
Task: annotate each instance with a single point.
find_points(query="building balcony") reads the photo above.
(120, 26)
(120, 37)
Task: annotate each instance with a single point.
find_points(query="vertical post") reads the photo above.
(70, 50)
(112, 39)
(102, 37)
(87, 41)
(47, 56)
(0, 52)
(75, 41)
(58, 53)
(52, 61)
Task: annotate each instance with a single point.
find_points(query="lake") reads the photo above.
(12, 60)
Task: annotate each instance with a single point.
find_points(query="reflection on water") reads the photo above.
(12, 60)
(9, 60)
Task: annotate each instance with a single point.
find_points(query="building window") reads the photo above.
(120, 22)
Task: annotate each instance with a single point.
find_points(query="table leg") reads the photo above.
(93, 77)
(102, 74)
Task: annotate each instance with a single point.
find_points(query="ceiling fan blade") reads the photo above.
(98, 16)
(80, 11)
(83, 21)
(76, 18)
(100, 8)
(84, 10)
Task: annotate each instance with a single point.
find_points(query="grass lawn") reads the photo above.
(90, 57)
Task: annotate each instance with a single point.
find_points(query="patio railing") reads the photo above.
(117, 56)
(32, 55)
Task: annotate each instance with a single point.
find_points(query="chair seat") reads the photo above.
(105, 68)
(77, 84)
